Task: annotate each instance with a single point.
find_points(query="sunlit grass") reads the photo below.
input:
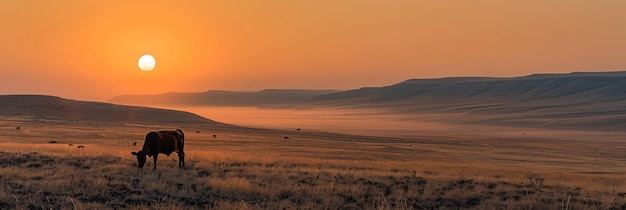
(96, 181)
(255, 168)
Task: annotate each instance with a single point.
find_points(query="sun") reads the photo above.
(146, 62)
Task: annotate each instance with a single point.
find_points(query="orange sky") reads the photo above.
(89, 49)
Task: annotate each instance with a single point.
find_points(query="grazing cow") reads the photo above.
(164, 142)
(286, 137)
(80, 147)
(135, 143)
(214, 136)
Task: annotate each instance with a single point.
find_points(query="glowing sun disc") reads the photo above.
(146, 62)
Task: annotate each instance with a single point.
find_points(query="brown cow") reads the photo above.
(164, 142)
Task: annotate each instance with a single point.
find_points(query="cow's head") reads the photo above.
(141, 158)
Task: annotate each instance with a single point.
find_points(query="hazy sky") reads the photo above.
(89, 49)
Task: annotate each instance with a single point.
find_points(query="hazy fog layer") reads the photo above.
(589, 101)
(378, 123)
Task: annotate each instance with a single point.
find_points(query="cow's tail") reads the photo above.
(181, 140)
(180, 144)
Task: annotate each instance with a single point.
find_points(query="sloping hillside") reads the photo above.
(594, 101)
(580, 100)
(51, 107)
(574, 87)
(223, 98)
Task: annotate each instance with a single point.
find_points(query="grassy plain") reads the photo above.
(244, 168)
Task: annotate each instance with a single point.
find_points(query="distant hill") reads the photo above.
(51, 107)
(576, 100)
(579, 100)
(572, 89)
(223, 98)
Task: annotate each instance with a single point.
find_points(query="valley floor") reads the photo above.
(260, 168)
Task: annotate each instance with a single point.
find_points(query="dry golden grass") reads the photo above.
(258, 169)
(35, 180)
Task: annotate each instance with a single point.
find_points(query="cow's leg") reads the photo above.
(181, 159)
(155, 160)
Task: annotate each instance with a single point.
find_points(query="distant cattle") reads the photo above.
(71, 145)
(80, 147)
(135, 143)
(286, 137)
(52, 142)
(164, 142)
(18, 128)
(214, 136)
(298, 129)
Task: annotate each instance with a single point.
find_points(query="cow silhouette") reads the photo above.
(163, 142)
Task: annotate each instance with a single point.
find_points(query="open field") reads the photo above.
(258, 168)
